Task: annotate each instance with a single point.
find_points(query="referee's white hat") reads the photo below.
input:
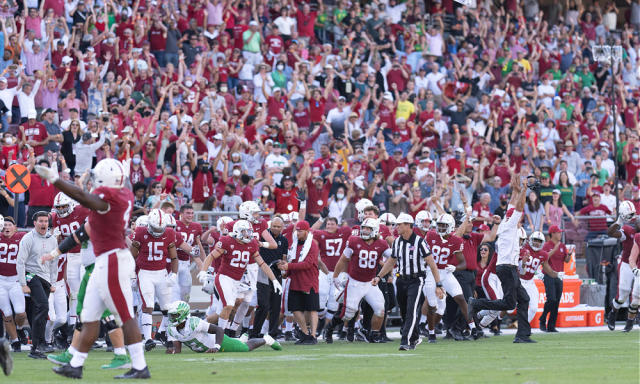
(404, 218)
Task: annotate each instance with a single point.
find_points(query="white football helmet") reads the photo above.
(373, 225)
(250, 211)
(285, 218)
(445, 225)
(294, 217)
(63, 205)
(242, 231)
(221, 224)
(420, 219)
(536, 240)
(142, 221)
(157, 223)
(171, 221)
(108, 173)
(627, 210)
(388, 219)
(522, 235)
(208, 286)
(360, 206)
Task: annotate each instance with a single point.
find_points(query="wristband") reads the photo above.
(439, 284)
(303, 204)
(55, 253)
(264, 244)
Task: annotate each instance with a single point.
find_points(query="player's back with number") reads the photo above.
(236, 256)
(108, 228)
(443, 249)
(365, 258)
(9, 253)
(151, 256)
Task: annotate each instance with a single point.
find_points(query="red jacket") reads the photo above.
(304, 275)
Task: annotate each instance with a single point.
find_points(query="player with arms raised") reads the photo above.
(361, 258)
(109, 287)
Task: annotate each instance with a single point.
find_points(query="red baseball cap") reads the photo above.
(555, 229)
(302, 225)
(483, 227)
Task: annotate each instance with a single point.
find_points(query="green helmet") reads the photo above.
(178, 312)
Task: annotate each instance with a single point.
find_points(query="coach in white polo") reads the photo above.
(508, 252)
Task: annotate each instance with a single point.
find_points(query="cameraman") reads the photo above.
(268, 299)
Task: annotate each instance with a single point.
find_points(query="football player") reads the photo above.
(190, 232)
(361, 258)
(445, 246)
(635, 292)
(11, 296)
(110, 287)
(211, 237)
(201, 336)
(149, 247)
(236, 251)
(624, 229)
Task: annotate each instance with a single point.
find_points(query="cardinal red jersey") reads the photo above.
(71, 223)
(179, 242)
(257, 228)
(627, 244)
(536, 259)
(108, 228)
(384, 231)
(364, 257)
(236, 256)
(153, 250)
(636, 239)
(216, 262)
(9, 253)
(419, 232)
(556, 259)
(331, 245)
(443, 249)
(189, 234)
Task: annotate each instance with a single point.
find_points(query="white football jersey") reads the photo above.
(195, 335)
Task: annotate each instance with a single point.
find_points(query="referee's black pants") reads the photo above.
(268, 305)
(39, 309)
(409, 292)
(514, 296)
(453, 316)
(553, 290)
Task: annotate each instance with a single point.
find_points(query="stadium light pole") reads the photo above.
(611, 54)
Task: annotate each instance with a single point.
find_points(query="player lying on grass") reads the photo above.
(201, 336)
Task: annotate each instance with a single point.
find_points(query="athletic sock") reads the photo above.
(72, 350)
(234, 326)
(268, 339)
(472, 325)
(423, 319)
(432, 331)
(265, 327)
(288, 326)
(246, 321)
(146, 325)
(163, 324)
(223, 323)
(616, 305)
(14, 340)
(78, 359)
(136, 351)
(119, 351)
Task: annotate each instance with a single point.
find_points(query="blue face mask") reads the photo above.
(601, 108)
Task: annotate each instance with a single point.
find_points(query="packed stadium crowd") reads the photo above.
(323, 126)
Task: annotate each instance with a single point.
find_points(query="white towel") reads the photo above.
(293, 250)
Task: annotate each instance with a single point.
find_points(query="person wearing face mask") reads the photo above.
(187, 183)
(278, 76)
(399, 201)
(230, 201)
(266, 200)
(137, 172)
(338, 203)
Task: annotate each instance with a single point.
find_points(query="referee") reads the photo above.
(409, 252)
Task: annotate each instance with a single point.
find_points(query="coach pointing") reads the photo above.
(409, 251)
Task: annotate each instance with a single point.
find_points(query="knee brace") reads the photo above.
(78, 326)
(110, 323)
(349, 313)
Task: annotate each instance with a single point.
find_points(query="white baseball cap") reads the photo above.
(404, 218)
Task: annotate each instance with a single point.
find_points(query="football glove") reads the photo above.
(202, 277)
(173, 278)
(277, 288)
(208, 286)
(49, 174)
(450, 268)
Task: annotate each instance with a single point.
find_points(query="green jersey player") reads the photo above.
(201, 336)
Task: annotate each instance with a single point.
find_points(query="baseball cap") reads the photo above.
(253, 23)
(556, 190)
(483, 227)
(555, 229)
(568, 143)
(404, 218)
(302, 225)
(3, 79)
(217, 136)
(32, 114)
(544, 175)
(66, 60)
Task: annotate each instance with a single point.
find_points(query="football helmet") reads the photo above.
(536, 240)
(374, 229)
(445, 225)
(242, 231)
(627, 210)
(388, 219)
(294, 217)
(221, 224)
(108, 173)
(360, 206)
(250, 211)
(178, 312)
(171, 221)
(63, 205)
(420, 219)
(157, 223)
(142, 221)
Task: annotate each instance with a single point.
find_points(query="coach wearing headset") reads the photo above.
(36, 278)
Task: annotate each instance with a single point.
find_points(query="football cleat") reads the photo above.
(422, 328)
(23, 335)
(351, 333)
(475, 334)
(46, 348)
(611, 319)
(432, 339)
(16, 346)
(628, 326)
(36, 354)
(456, 334)
(61, 358)
(439, 327)
(6, 361)
(519, 340)
(68, 371)
(309, 340)
(406, 348)
(328, 335)
(118, 362)
(149, 345)
(161, 337)
(361, 335)
(135, 374)
(288, 336)
(342, 334)
(552, 330)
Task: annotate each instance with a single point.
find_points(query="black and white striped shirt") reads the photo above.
(410, 255)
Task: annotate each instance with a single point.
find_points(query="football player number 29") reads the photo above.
(440, 255)
(240, 259)
(367, 259)
(155, 251)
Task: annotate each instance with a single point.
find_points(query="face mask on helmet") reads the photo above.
(246, 235)
(63, 210)
(366, 233)
(442, 228)
(426, 224)
(536, 244)
(155, 231)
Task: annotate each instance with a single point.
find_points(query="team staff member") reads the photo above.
(36, 278)
(508, 254)
(558, 255)
(268, 298)
(409, 251)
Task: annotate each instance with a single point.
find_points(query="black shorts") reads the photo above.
(302, 301)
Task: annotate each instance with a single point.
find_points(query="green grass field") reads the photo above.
(590, 357)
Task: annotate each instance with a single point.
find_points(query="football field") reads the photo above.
(586, 357)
